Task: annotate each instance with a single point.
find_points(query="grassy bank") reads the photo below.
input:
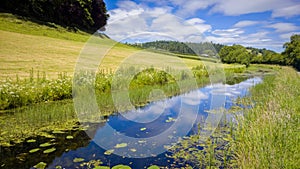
(268, 135)
(265, 136)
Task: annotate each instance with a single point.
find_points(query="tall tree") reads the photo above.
(292, 51)
(87, 15)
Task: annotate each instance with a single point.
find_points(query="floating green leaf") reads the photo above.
(34, 150)
(170, 119)
(40, 165)
(49, 150)
(69, 137)
(45, 145)
(133, 150)
(153, 167)
(143, 129)
(109, 152)
(31, 141)
(101, 167)
(121, 145)
(77, 160)
(121, 167)
(57, 132)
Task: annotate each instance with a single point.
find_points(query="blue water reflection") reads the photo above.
(151, 121)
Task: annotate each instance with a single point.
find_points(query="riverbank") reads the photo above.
(265, 135)
(40, 119)
(268, 135)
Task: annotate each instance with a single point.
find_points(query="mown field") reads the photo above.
(26, 45)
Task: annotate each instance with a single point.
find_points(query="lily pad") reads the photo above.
(40, 165)
(78, 160)
(45, 145)
(69, 137)
(109, 152)
(34, 150)
(121, 167)
(101, 167)
(153, 167)
(121, 145)
(143, 129)
(49, 150)
(22, 156)
(57, 132)
(31, 141)
(170, 119)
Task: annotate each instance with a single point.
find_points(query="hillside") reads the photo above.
(27, 46)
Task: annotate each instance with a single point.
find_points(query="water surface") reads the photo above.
(145, 131)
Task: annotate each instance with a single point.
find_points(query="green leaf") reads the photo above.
(40, 165)
(69, 137)
(109, 152)
(77, 160)
(49, 150)
(34, 150)
(31, 141)
(121, 167)
(57, 132)
(121, 145)
(143, 129)
(153, 167)
(101, 167)
(45, 145)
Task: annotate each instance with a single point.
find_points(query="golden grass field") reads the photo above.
(53, 51)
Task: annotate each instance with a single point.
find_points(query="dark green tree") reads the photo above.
(87, 15)
(292, 51)
(235, 54)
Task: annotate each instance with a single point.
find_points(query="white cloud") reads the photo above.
(234, 32)
(259, 40)
(283, 27)
(131, 19)
(286, 36)
(246, 23)
(233, 7)
(288, 11)
(279, 8)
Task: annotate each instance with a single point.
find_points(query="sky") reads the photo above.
(256, 23)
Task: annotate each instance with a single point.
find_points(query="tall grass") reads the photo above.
(265, 136)
(268, 136)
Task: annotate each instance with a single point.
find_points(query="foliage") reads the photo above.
(268, 136)
(204, 48)
(292, 51)
(88, 15)
(235, 54)
(29, 91)
(215, 152)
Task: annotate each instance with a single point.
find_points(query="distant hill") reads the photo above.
(205, 49)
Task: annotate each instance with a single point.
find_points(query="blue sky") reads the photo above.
(257, 23)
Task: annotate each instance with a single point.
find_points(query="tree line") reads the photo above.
(247, 55)
(189, 48)
(235, 53)
(86, 15)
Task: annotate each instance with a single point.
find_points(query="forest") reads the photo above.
(235, 53)
(86, 15)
